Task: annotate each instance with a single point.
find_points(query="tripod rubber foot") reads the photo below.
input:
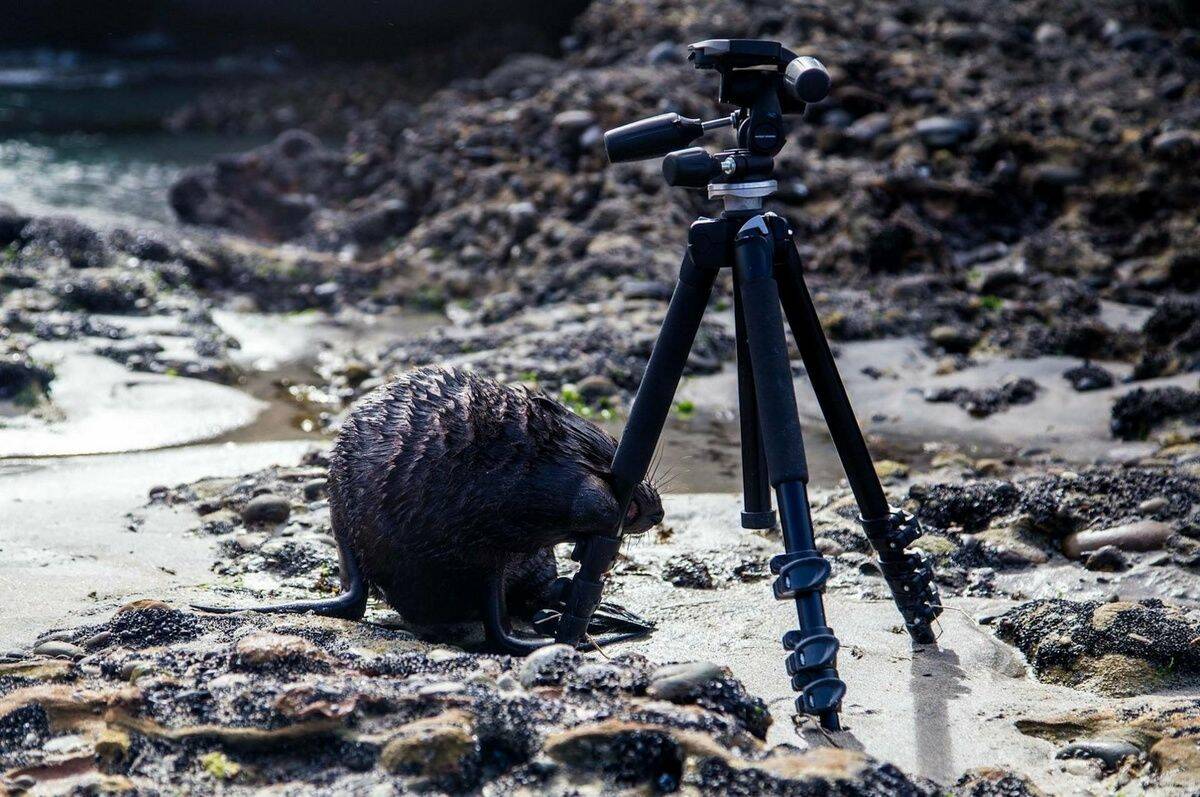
(759, 520)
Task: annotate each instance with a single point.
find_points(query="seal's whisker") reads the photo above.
(656, 461)
(669, 476)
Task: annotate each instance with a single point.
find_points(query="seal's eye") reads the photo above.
(632, 513)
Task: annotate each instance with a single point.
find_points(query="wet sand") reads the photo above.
(73, 540)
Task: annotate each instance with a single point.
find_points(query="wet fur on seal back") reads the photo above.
(442, 477)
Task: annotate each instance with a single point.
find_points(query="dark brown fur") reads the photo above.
(442, 477)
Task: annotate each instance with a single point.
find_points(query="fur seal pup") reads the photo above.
(448, 492)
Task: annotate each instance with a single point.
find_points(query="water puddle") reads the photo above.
(101, 407)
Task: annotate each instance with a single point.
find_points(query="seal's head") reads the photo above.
(645, 510)
(577, 472)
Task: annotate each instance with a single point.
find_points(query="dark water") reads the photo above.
(103, 177)
(85, 136)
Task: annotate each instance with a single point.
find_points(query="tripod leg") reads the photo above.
(802, 571)
(890, 531)
(756, 488)
(646, 418)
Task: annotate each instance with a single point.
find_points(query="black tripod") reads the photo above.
(765, 81)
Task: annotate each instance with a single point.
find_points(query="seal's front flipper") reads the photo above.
(350, 605)
(610, 623)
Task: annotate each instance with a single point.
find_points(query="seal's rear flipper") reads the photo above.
(616, 619)
(350, 605)
(610, 623)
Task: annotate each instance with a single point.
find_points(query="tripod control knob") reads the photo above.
(808, 79)
(690, 168)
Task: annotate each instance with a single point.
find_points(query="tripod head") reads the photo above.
(765, 81)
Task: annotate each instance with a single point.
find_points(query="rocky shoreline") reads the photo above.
(191, 698)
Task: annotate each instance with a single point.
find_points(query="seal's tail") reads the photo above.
(350, 605)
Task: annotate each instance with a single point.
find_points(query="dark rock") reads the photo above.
(549, 665)
(1089, 376)
(574, 121)
(58, 649)
(665, 52)
(687, 570)
(645, 289)
(151, 624)
(292, 557)
(1139, 411)
(1103, 498)
(971, 506)
(983, 402)
(11, 224)
(23, 380)
(1141, 535)
(995, 782)
(443, 749)
(314, 489)
(954, 339)
(944, 131)
(143, 245)
(278, 652)
(1049, 34)
(1107, 559)
(376, 225)
(105, 291)
(65, 237)
(682, 682)
(1109, 752)
(1172, 318)
(1176, 144)
(596, 388)
(265, 193)
(266, 509)
(98, 641)
(869, 127)
(1114, 648)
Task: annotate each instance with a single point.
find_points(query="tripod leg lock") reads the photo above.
(908, 574)
(893, 532)
(812, 664)
(809, 653)
(799, 572)
(812, 658)
(821, 696)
